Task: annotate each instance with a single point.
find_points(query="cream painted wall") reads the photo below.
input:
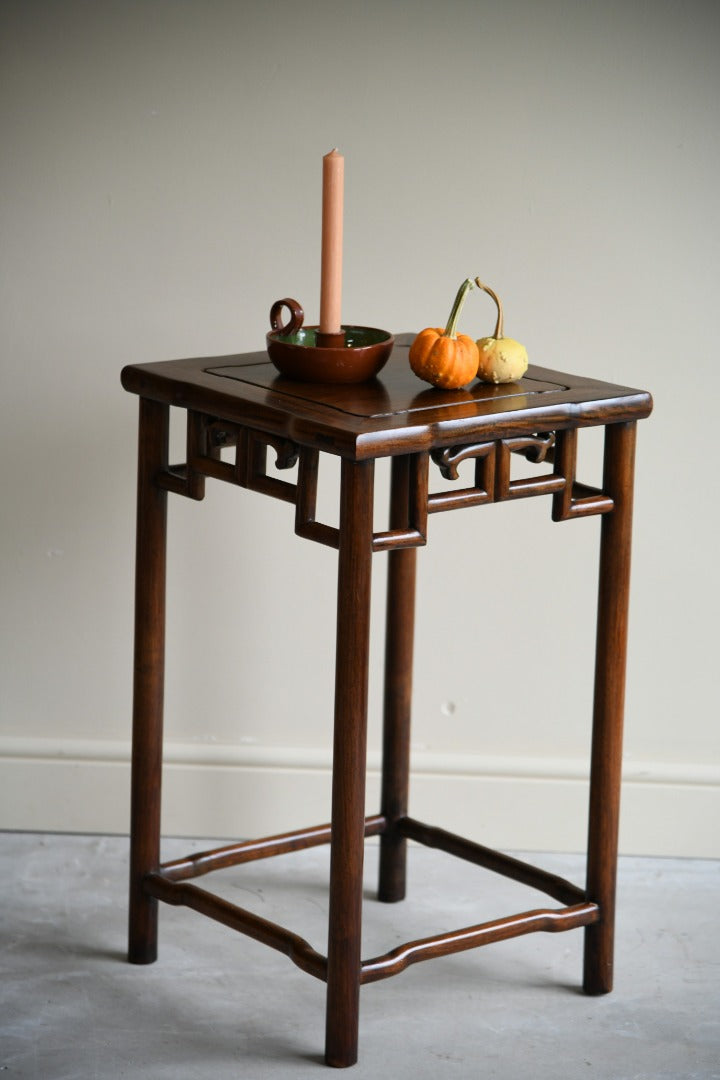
(160, 188)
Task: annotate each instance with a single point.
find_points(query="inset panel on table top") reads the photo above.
(396, 390)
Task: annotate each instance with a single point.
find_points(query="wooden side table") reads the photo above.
(241, 402)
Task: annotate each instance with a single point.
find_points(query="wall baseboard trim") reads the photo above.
(217, 790)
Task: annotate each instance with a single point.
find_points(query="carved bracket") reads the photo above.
(494, 483)
(448, 459)
(207, 437)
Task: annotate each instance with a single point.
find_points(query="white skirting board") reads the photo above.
(512, 803)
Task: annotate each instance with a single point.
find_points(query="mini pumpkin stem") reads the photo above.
(499, 324)
(451, 328)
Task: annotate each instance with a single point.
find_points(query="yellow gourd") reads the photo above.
(500, 359)
(445, 358)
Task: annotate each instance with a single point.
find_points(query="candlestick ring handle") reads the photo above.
(296, 316)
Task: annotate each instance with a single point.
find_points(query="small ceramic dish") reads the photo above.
(302, 352)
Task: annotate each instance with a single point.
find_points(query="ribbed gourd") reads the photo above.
(445, 358)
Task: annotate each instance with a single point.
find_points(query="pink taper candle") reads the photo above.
(332, 243)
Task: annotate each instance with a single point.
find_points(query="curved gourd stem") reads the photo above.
(499, 324)
(451, 328)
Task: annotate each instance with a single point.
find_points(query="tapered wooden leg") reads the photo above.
(605, 774)
(349, 759)
(149, 667)
(399, 637)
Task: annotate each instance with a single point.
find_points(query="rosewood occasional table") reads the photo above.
(242, 403)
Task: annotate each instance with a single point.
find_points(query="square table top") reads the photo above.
(394, 413)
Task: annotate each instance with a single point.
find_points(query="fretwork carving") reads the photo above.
(534, 448)
(448, 459)
(207, 437)
(574, 499)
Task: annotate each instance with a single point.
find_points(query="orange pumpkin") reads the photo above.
(445, 358)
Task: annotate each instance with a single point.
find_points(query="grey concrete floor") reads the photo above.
(218, 1005)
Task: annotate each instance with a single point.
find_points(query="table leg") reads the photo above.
(399, 637)
(611, 646)
(149, 670)
(349, 761)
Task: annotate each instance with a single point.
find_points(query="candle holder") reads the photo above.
(353, 355)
